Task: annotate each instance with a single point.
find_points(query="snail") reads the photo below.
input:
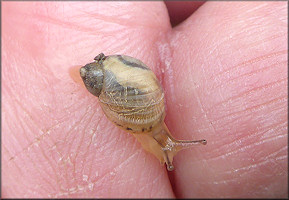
(131, 96)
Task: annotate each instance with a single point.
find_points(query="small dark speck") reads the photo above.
(118, 124)
(143, 129)
(128, 128)
(151, 127)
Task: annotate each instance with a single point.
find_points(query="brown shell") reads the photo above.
(132, 96)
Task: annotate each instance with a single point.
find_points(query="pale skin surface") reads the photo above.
(224, 72)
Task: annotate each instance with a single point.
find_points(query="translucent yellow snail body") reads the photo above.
(132, 97)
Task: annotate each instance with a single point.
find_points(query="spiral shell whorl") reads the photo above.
(132, 97)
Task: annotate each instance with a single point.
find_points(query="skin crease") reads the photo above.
(224, 72)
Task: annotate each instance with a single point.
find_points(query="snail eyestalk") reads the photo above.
(169, 146)
(170, 166)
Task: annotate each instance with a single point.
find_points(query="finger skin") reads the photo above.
(226, 96)
(57, 143)
(228, 84)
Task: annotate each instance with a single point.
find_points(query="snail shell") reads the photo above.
(132, 97)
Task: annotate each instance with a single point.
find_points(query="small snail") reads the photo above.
(132, 97)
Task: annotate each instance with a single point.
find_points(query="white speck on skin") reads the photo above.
(54, 147)
(93, 137)
(90, 186)
(84, 177)
(112, 173)
(37, 143)
(98, 128)
(79, 187)
(68, 161)
(60, 159)
(96, 173)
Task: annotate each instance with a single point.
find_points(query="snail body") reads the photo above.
(132, 97)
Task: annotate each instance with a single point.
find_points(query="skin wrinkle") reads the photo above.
(276, 127)
(115, 139)
(252, 108)
(87, 149)
(40, 171)
(217, 41)
(249, 63)
(80, 122)
(258, 134)
(282, 158)
(36, 140)
(91, 165)
(11, 162)
(65, 24)
(129, 159)
(236, 120)
(124, 21)
(109, 19)
(243, 148)
(108, 41)
(43, 168)
(69, 147)
(248, 169)
(264, 40)
(213, 129)
(120, 152)
(14, 138)
(27, 112)
(275, 153)
(153, 185)
(53, 169)
(108, 173)
(80, 144)
(248, 92)
(246, 74)
(124, 162)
